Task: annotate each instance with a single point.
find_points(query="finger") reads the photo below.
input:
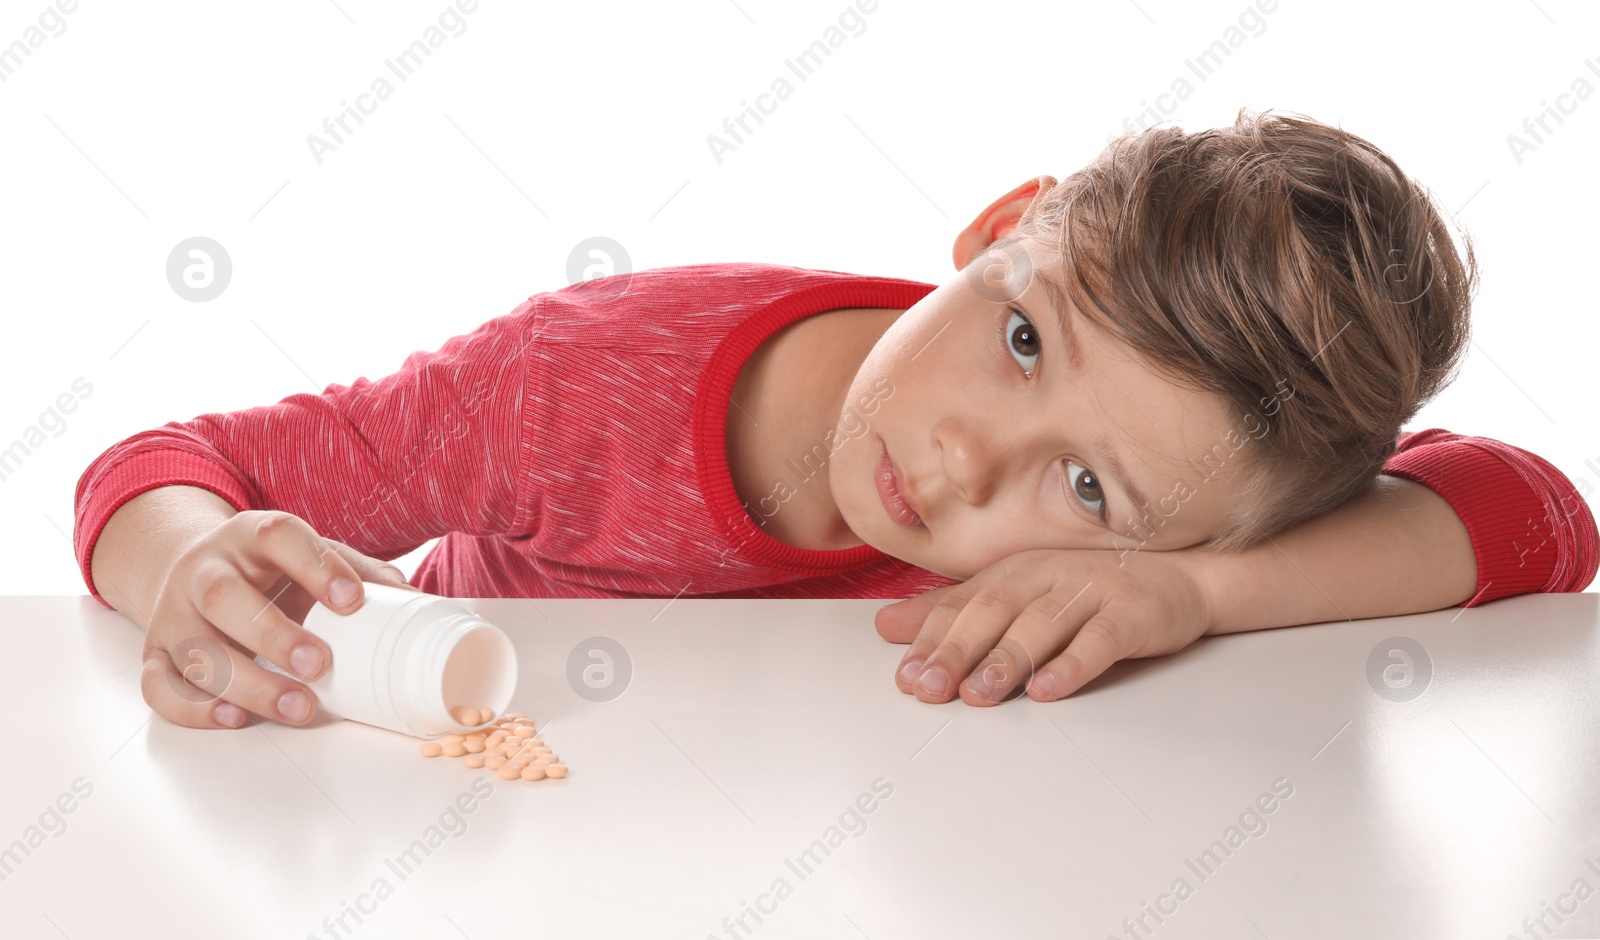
(1038, 635)
(901, 621)
(982, 621)
(203, 682)
(233, 605)
(1102, 641)
(160, 682)
(289, 544)
(940, 617)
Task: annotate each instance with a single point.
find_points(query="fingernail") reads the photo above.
(910, 671)
(342, 592)
(306, 660)
(228, 714)
(1044, 685)
(294, 705)
(982, 683)
(934, 681)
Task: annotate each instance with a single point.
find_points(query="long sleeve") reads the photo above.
(381, 466)
(1531, 530)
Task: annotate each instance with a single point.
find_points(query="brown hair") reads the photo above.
(1287, 266)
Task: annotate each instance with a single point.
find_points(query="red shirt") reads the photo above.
(576, 447)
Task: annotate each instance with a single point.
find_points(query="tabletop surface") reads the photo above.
(759, 775)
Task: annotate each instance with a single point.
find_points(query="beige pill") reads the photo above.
(533, 772)
(432, 749)
(491, 761)
(465, 714)
(556, 770)
(474, 745)
(485, 715)
(509, 772)
(545, 759)
(512, 716)
(473, 760)
(452, 739)
(454, 749)
(542, 750)
(523, 731)
(495, 738)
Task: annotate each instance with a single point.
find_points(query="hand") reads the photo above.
(241, 589)
(1059, 616)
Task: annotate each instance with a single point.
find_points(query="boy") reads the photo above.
(1155, 403)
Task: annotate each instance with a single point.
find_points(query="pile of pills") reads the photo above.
(507, 747)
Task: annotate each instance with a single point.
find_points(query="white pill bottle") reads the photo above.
(404, 660)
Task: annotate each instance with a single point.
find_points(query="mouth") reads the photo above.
(889, 493)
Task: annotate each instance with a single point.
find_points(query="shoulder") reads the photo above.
(679, 308)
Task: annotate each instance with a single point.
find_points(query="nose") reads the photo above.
(969, 452)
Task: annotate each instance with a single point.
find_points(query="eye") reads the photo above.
(1086, 487)
(1021, 339)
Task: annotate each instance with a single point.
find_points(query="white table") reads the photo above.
(749, 727)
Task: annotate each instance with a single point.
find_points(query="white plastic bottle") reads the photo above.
(403, 660)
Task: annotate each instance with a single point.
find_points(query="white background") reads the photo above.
(543, 124)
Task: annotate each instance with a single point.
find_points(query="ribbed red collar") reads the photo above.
(711, 415)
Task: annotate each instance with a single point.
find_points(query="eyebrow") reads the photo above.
(1102, 444)
(1058, 310)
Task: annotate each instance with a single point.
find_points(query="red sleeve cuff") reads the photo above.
(1530, 528)
(101, 495)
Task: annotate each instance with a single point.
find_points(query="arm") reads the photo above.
(1397, 548)
(1451, 520)
(379, 466)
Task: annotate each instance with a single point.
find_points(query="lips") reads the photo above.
(889, 492)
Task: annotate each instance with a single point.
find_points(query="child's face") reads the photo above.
(994, 461)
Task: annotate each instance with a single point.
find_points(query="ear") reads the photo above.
(997, 221)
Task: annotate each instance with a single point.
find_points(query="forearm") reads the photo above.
(1398, 548)
(144, 537)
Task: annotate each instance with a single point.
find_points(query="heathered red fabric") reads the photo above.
(575, 447)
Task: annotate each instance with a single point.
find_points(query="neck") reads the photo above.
(789, 394)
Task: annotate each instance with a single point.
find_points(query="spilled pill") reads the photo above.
(508, 746)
